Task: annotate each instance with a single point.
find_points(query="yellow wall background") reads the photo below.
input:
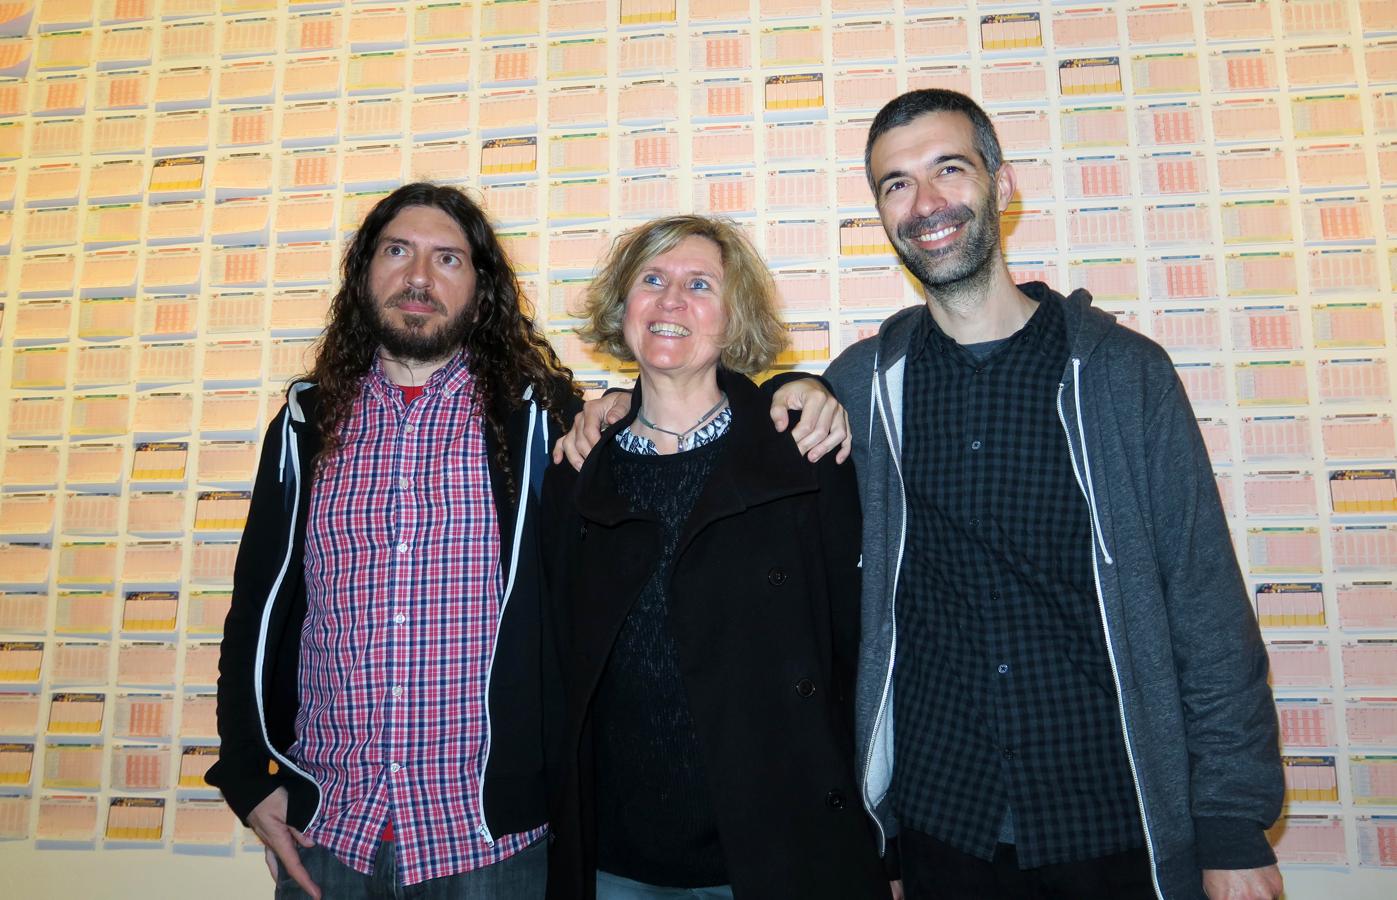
(177, 178)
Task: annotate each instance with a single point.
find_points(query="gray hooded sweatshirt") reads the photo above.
(1189, 665)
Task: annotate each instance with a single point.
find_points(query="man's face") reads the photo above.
(423, 285)
(939, 204)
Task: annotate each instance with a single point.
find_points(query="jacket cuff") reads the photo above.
(892, 860)
(242, 793)
(781, 379)
(1224, 843)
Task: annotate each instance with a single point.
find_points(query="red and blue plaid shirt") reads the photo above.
(403, 600)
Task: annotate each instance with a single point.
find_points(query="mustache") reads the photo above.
(951, 216)
(416, 297)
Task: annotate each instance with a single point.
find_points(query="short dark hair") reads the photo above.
(901, 110)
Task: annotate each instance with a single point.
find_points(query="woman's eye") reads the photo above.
(651, 278)
(699, 284)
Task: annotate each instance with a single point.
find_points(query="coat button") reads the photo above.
(805, 687)
(834, 800)
(776, 576)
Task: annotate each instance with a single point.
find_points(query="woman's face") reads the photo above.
(675, 315)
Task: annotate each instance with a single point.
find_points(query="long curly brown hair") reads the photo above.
(505, 351)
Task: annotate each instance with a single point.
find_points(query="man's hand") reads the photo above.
(587, 427)
(1242, 884)
(268, 819)
(895, 888)
(823, 425)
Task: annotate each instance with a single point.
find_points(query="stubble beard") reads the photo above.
(415, 340)
(956, 277)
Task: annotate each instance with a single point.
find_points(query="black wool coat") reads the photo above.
(764, 599)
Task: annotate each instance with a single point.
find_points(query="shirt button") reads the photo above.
(402, 546)
(974, 523)
(397, 690)
(1008, 754)
(776, 576)
(394, 768)
(974, 445)
(1003, 669)
(994, 595)
(399, 619)
(834, 800)
(404, 483)
(979, 370)
(805, 687)
(411, 429)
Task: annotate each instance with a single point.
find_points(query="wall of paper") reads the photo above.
(177, 178)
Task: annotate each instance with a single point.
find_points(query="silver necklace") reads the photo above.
(683, 438)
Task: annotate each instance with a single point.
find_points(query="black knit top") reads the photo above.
(655, 819)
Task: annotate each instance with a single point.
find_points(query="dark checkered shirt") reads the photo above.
(1004, 700)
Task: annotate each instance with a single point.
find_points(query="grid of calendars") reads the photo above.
(178, 177)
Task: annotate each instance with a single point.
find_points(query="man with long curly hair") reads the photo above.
(382, 687)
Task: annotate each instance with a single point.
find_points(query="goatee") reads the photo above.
(415, 339)
(958, 267)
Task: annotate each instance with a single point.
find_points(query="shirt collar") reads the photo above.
(451, 379)
(1038, 332)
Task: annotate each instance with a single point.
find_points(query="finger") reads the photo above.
(294, 868)
(845, 449)
(558, 454)
(780, 418)
(575, 458)
(823, 447)
(809, 424)
(827, 415)
(591, 431)
(302, 877)
(301, 838)
(620, 405)
(271, 862)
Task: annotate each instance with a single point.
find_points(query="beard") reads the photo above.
(416, 340)
(958, 265)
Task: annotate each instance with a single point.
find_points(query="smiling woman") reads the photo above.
(705, 584)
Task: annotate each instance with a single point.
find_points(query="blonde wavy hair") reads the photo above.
(754, 335)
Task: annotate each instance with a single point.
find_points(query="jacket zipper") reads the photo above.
(522, 495)
(1105, 628)
(892, 650)
(289, 436)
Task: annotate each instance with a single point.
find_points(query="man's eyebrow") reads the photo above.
(888, 176)
(940, 160)
(404, 242)
(952, 157)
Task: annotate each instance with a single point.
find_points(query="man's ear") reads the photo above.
(1005, 183)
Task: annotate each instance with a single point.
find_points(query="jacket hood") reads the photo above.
(1087, 326)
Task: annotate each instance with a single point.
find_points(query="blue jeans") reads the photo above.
(614, 887)
(522, 876)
